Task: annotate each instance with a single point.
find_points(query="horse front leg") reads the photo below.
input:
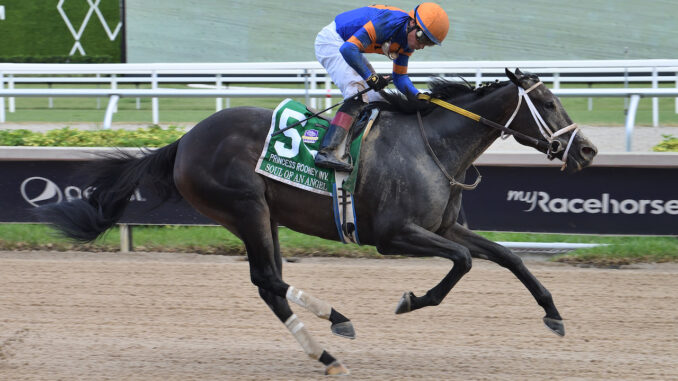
(483, 248)
(417, 241)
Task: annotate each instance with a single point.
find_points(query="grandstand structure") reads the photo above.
(271, 30)
(146, 31)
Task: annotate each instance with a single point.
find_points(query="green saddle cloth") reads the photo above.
(290, 157)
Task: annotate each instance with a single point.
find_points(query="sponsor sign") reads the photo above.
(598, 200)
(603, 204)
(26, 185)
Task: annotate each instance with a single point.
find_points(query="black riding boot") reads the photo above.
(339, 128)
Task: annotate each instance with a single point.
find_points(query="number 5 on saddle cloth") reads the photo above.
(289, 157)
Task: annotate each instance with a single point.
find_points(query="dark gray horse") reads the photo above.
(405, 203)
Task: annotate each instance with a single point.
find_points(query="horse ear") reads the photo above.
(512, 76)
(519, 73)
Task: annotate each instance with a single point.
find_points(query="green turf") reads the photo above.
(171, 110)
(216, 240)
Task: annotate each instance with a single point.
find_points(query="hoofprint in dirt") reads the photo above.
(146, 316)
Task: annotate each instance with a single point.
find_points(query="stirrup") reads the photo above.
(330, 161)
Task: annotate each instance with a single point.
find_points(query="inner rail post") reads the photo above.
(631, 119)
(219, 85)
(655, 100)
(2, 99)
(154, 101)
(126, 242)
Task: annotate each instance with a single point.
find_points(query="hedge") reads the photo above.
(669, 144)
(153, 136)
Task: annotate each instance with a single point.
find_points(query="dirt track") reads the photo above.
(67, 316)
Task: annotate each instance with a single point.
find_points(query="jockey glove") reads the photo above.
(376, 82)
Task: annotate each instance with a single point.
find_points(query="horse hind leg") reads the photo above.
(249, 220)
(266, 273)
(239, 204)
(311, 347)
(261, 256)
(341, 325)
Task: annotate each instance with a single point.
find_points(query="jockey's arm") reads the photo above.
(401, 80)
(354, 57)
(352, 50)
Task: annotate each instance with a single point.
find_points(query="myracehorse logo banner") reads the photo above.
(289, 157)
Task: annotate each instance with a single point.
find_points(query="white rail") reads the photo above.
(115, 94)
(313, 76)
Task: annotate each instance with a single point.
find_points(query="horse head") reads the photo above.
(540, 115)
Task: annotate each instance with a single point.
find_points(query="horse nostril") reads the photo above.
(587, 151)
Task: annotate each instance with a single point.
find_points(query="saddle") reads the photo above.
(289, 157)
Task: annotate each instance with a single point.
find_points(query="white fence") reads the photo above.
(317, 85)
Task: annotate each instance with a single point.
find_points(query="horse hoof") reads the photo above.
(336, 369)
(344, 329)
(405, 304)
(555, 325)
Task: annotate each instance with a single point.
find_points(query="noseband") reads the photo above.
(554, 145)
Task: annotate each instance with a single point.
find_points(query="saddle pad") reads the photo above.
(290, 157)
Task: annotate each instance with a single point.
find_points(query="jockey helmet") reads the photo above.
(432, 20)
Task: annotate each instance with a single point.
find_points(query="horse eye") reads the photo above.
(550, 105)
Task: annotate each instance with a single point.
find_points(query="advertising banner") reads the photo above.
(598, 200)
(25, 185)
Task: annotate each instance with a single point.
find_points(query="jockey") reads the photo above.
(377, 29)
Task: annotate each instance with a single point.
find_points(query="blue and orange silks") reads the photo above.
(366, 29)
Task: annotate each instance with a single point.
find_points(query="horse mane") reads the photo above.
(440, 88)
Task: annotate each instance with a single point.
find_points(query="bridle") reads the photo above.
(552, 146)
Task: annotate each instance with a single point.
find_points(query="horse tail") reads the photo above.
(113, 180)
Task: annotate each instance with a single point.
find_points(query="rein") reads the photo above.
(451, 179)
(552, 146)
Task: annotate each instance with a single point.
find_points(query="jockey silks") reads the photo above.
(366, 30)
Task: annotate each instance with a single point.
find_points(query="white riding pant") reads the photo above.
(327, 45)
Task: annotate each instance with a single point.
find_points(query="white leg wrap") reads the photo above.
(318, 307)
(298, 330)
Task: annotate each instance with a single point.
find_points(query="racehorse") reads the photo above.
(407, 196)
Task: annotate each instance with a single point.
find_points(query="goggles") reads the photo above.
(422, 38)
